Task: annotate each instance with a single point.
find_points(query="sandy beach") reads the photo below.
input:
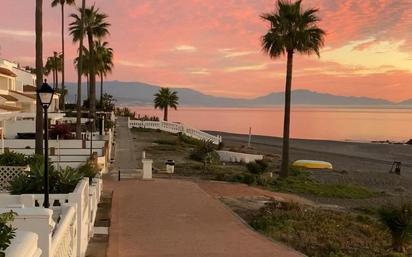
(349, 156)
(363, 164)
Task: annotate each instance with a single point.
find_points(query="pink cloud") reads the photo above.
(144, 33)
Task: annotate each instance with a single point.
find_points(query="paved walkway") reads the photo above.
(126, 152)
(176, 218)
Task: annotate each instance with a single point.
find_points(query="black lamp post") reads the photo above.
(45, 94)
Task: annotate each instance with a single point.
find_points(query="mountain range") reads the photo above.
(138, 93)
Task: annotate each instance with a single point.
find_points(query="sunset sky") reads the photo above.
(214, 45)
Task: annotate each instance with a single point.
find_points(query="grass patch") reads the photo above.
(324, 233)
(300, 182)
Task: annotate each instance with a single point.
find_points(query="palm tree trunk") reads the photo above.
(54, 79)
(57, 78)
(88, 87)
(62, 107)
(286, 123)
(166, 111)
(92, 102)
(39, 75)
(79, 80)
(101, 91)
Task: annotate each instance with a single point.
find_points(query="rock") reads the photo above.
(409, 142)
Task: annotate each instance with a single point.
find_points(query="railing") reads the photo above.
(24, 244)
(70, 236)
(64, 240)
(174, 128)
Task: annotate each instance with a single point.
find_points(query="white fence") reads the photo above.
(74, 214)
(228, 156)
(24, 244)
(174, 128)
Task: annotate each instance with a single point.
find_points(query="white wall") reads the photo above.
(18, 126)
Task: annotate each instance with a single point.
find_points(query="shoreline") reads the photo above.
(344, 155)
(360, 141)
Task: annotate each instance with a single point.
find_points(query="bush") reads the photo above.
(18, 159)
(13, 159)
(62, 130)
(189, 140)
(88, 170)
(61, 181)
(257, 167)
(7, 232)
(147, 118)
(399, 222)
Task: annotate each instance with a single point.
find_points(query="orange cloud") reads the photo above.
(214, 46)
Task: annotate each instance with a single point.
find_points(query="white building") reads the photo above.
(18, 100)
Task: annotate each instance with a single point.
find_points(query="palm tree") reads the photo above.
(292, 30)
(95, 27)
(54, 4)
(80, 71)
(39, 75)
(85, 57)
(104, 64)
(54, 66)
(164, 99)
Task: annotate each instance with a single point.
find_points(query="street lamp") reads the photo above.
(45, 94)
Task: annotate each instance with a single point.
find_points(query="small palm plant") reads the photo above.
(205, 153)
(164, 99)
(399, 222)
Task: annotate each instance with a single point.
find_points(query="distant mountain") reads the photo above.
(137, 93)
(406, 102)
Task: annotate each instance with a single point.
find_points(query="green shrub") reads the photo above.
(13, 159)
(19, 159)
(7, 232)
(61, 181)
(398, 220)
(257, 167)
(205, 152)
(189, 140)
(88, 170)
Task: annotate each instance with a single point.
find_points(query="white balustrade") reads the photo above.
(174, 128)
(64, 240)
(228, 156)
(24, 244)
(76, 211)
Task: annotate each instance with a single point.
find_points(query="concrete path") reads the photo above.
(126, 152)
(175, 218)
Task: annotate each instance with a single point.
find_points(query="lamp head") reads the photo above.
(45, 93)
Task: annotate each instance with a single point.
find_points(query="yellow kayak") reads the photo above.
(309, 164)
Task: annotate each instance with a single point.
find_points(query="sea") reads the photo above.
(307, 122)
